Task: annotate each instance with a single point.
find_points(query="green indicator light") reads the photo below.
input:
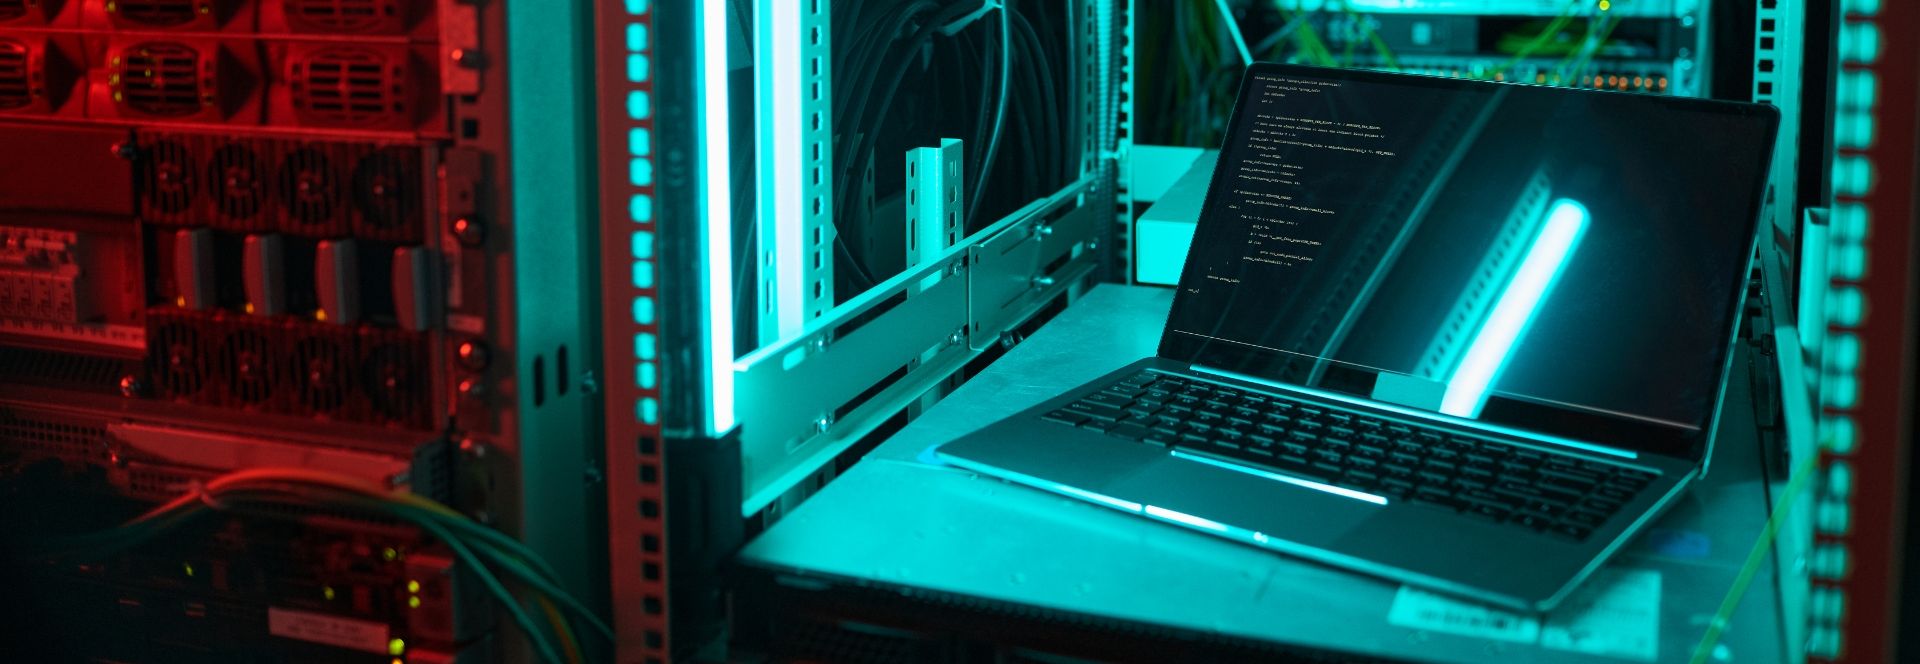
(187, 567)
(413, 586)
(390, 554)
(396, 646)
(327, 592)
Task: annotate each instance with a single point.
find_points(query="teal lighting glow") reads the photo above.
(1187, 519)
(781, 192)
(639, 107)
(1306, 484)
(1109, 501)
(1519, 303)
(718, 187)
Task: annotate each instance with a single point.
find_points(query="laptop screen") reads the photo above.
(1570, 262)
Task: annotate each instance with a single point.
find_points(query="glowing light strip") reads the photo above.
(1308, 484)
(1189, 519)
(782, 208)
(1493, 345)
(717, 184)
(1421, 414)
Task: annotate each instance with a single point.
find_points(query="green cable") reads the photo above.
(1755, 557)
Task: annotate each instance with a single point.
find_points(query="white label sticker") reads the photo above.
(1419, 609)
(1616, 614)
(331, 630)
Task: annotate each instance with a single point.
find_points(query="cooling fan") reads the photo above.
(322, 373)
(392, 380)
(176, 363)
(236, 182)
(309, 191)
(167, 173)
(246, 366)
(386, 195)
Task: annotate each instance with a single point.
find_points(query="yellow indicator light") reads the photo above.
(326, 591)
(320, 315)
(413, 602)
(397, 660)
(187, 567)
(396, 646)
(1605, 5)
(413, 586)
(249, 307)
(180, 301)
(389, 553)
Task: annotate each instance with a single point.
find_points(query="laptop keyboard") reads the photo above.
(1480, 478)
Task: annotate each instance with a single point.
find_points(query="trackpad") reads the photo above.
(1296, 511)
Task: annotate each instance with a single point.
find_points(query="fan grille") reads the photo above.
(309, 187)
(160, 79)
(155, 13)
(350, 86)
(237, 181)
(166, 179)
(16, 81)
(246, 368)
(342, 15)
(176, 358)
(322, 373)
(386, 193)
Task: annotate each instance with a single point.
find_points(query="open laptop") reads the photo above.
(1464, 335)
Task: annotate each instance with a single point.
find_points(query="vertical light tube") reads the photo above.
(716, 151)
(1519, 303)
(781, 197)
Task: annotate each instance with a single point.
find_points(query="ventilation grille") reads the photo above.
(160, 79)
(313, 189)
(290, 367)
(30, 366)
(344, 16)
(39, 436)
(156, 13)
(351, 87)
(16, 80)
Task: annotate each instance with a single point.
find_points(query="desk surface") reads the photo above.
(900, 519)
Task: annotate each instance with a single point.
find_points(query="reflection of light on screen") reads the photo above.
(1493, 344)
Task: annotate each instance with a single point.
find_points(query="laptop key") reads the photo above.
(1572, 531)
(1162, 438)
(1613, 493)
(1492, 513)
(1063, 416)
(1130, 430)
(1584, 518)
(1536, 522)
(1261, 440)
(1394, 487)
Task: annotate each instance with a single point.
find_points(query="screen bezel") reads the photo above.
(1579, 424)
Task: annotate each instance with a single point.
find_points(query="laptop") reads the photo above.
(1467, 336)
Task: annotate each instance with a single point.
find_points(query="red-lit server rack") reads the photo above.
(268, 233)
